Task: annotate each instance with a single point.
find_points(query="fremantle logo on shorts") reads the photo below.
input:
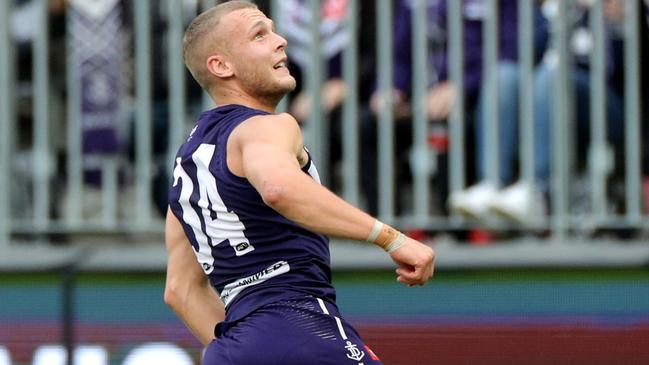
(354, 353)
(231, 290)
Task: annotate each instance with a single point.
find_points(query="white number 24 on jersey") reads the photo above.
(220, 223)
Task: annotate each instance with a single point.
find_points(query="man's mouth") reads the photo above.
(280, 65)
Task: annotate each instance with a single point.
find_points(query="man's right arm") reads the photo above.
(188, 291)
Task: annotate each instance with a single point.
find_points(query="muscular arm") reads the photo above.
(266, 151)
(269, 148)
(187, 290)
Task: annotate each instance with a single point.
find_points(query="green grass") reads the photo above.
(517, 275)
(360, 277)
(133, 297)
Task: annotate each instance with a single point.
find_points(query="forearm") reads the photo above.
(199, 307)
(302, 200)
(299, 198)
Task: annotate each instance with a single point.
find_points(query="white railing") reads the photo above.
(44, 184)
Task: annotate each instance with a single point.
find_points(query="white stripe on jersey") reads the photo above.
(313, 171)
(231, 290)
(204, 253)
(227, 224)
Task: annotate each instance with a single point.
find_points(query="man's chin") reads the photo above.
(277, 91)
(289, 83)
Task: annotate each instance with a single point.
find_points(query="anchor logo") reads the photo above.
(354, 352)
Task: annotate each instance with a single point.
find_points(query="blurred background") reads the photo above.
(510, 135)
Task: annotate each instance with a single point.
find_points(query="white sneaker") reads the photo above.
(475, 201)
(520, 203)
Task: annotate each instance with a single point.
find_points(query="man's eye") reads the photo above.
(259, 36)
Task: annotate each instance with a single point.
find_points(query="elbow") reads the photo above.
(168, 297)
(274, 195)
(171, 296)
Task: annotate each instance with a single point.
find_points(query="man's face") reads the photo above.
(257, 54)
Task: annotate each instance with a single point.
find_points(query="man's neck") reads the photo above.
(230, 96)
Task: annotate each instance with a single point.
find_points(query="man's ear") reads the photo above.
(219, 67)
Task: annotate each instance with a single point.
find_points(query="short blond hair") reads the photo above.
(200, 35)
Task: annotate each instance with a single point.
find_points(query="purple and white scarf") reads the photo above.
(97, 45)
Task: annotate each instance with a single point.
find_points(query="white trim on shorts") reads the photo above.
(339, 323)
(340, 328)
(322, 305)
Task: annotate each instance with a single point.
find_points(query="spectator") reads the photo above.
(523, 201)
(23, 27)
(160, 98)
(295, 23)
(441, 93)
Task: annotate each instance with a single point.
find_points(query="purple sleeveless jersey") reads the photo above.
(252, 255)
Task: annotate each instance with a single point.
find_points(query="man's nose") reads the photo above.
(281, 42)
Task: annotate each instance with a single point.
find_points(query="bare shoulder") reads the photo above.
(280, 123)
(275, 129)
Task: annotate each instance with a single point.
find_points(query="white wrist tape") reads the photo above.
(374, 234)
(386, 237)
(392, 246)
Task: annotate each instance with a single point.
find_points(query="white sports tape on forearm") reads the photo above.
(375, 231)
(386, 237)
(391, 247)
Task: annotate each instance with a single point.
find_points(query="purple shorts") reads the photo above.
(291, 332)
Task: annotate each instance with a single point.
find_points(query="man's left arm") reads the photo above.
(270, 147)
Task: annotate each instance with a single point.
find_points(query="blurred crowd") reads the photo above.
(507, 193)
(523, 201)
